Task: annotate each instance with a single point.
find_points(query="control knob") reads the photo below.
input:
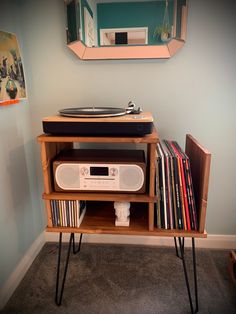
(113, 172)
(84, 171)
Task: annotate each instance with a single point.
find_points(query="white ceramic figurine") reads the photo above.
(122, 213)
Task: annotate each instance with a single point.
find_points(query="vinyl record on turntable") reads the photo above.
(99, 112)
(92, 112)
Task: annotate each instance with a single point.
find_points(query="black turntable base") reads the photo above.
(121, 125)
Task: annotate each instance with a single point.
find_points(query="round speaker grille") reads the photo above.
(131, 178)
(67, 176)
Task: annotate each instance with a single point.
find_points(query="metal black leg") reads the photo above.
(58, 295)
(195, 274)
(73, 241)
(186, 275)
(176, 246)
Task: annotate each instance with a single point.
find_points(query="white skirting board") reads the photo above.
(21, 269)
(212, 241)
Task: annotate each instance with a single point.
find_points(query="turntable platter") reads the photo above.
(92, 112)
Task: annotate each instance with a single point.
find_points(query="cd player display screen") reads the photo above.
(99, 171)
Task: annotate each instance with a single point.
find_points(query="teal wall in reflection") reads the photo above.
(133, 14)
(84, 4)
(73, 18)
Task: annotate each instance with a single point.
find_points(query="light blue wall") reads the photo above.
(194, 92)
(21, 218)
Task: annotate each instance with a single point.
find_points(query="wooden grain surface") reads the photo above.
(130, 118)
(100, 196)
(200, 160)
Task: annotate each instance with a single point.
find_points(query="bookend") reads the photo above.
(180, 254)
(59, 294)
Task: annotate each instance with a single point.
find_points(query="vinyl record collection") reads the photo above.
(67, 213)
(176, 204)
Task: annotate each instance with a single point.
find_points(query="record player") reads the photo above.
(99, 121)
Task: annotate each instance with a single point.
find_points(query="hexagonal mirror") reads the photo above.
(106, 29)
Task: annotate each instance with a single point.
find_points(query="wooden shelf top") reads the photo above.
(100, 196)
(149, 138)
(138, 229)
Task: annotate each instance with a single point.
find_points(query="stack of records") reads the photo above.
(176, 205)
(67, 213)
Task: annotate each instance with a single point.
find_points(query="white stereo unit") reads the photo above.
(100, 170)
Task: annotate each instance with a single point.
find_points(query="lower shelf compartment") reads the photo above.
(100, 219)
(100, 216)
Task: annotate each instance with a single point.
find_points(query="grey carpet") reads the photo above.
(124, 279)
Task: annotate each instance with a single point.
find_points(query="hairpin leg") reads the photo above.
(58, 296)
(73, 242)
(176, 246)
(195, 274)
(186, 275)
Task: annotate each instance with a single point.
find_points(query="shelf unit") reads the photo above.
(52, 145)
(101, 220)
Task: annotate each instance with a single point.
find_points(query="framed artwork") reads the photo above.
(88, 28)
(12, 81)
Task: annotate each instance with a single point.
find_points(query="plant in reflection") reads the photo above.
(163, 32)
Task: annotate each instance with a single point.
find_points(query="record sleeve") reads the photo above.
(177, 188)
(190, 191)
(181, 185)
(172, 156)
(158, 192)
(162, 187)
(168, 186)
(183, 180)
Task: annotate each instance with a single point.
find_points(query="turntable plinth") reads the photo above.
(126, 125)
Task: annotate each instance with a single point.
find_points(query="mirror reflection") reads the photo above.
(99, 23)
